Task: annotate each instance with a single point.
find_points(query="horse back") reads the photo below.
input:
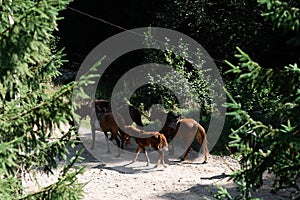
(155, 142)
(108, 122)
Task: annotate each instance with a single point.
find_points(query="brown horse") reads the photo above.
(108, 124)
(187, 130)
(96, 105)
(95, 110)
(144, 139)
(100, 107)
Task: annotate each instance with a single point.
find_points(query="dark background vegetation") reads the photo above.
(219, 26)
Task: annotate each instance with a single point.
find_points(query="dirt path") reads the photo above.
(190, 180)
(110, 177)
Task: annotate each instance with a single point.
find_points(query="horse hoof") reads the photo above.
(182, 159)
(204, 162)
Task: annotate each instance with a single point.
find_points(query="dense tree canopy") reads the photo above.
(219, 26)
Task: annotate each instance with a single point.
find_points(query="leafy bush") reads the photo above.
(185, 84)
(273, 146)
(265, 103)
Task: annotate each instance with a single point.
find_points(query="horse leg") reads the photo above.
(160, 158)
(115, 136)
(171, 152)
(147, 157)
(138, 150)
(93, 129)
(107, 142)
(205, 159)
(122, 136)
(111, 138)
(182, 158)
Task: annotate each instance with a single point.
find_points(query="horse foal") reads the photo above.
(144, 139)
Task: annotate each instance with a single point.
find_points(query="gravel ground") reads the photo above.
(110, 177)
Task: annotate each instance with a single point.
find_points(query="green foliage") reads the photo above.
(30, 108)
(268, 95)
(223, 194)
(219, 26)
(185, 82)
(275, 144)
(282, 14)
(265, 104)
(65, 187)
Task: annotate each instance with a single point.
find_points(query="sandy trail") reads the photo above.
(110, 177)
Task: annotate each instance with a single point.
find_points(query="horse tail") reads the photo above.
(163, 140)
(202, 139)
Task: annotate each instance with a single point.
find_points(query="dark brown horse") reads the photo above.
(144, 139)
(103, 106)
(110, 123)
(187, 130)
(93, 109)
(97, 105)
